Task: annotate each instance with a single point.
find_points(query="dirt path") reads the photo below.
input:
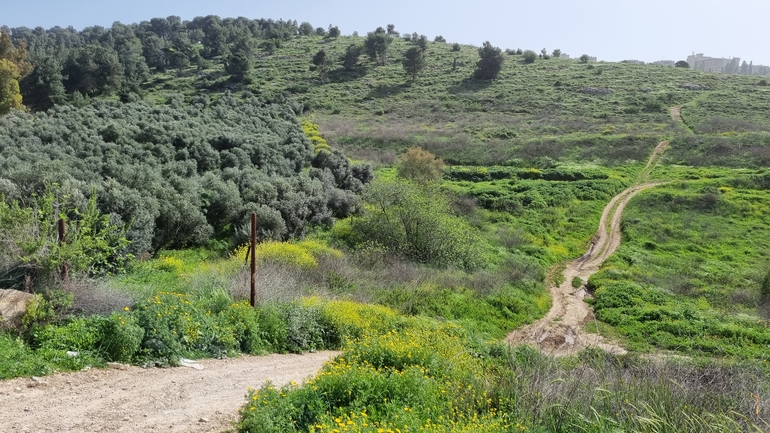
(676, 114)
(560, 331)
(141, 400)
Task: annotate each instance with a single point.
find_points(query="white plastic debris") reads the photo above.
(184, 362)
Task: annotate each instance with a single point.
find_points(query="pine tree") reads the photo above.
(414, 62)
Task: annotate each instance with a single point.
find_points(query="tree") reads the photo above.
(491, 62)
(13, 67)
(439, 38)
(556, 53)
(416, 222)
(456, 47)
(10, 94)
(93, 70)
(306, 29)
(584, 58)
(544, 54)
(321, 63)
(377, 44)
(684, 64)
(334, 32)
(414, 62)
(320, 31)
(529, 56)
(43, 88)
(238, 65)
(420, 166)
(392, 31)
(421, 42)
(350, 58)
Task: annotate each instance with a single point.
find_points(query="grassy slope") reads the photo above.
(471, 121)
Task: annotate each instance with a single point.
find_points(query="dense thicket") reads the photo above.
(181, 174)
(98, 60)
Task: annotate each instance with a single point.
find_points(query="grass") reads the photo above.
(530, 112)
(688, 273)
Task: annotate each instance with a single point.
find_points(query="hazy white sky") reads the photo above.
(612, 30)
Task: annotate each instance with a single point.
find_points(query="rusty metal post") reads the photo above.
(253, 259)
(62, 240)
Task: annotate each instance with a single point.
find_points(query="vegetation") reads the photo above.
(157, 140)
(491, 62)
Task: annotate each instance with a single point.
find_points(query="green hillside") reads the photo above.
(410, 221)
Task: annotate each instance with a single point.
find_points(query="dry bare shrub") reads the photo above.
(377, 157)
(95, 296)
(276, 282)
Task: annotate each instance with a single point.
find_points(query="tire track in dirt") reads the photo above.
(676, 115)
(134, 399)
(560, 331)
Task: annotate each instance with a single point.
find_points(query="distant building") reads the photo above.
(713, 64)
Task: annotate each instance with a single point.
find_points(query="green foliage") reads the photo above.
(686, 277)
(490, 64)
(351, 56)
(238, 65)
(33, 257)
(334, 32)
(420, 166)
(177, 174)
(414, 62)
(682, 64)
(121, 337)
(529, 56)
(577, 282)
(376, 45)
(321, 63)
(416, 222)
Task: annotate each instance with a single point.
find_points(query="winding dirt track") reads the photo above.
(560, 331)
(132, 399)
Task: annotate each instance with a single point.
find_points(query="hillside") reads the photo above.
(410, 221)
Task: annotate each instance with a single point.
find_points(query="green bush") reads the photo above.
(121, 337)
(416, 222)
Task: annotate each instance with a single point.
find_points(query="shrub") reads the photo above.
(122, 337)
(490, 64)
(416, 222)
(420, 166)
(529, 56)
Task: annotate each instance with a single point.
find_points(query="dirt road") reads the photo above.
(560, 332)
(133, 399)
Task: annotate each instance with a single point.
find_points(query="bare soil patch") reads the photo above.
(133, 399)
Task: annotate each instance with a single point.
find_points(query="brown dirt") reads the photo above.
(561, 332)
(133, 399)
(676, 114)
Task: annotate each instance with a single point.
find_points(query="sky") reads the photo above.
(611, 30)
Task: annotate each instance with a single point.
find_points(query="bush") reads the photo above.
(122, 337)
(490, 64)
(416, 222)
(529, 56)
(420, 166)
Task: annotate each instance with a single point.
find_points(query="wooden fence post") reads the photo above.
(65, 272)
(253, 259)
